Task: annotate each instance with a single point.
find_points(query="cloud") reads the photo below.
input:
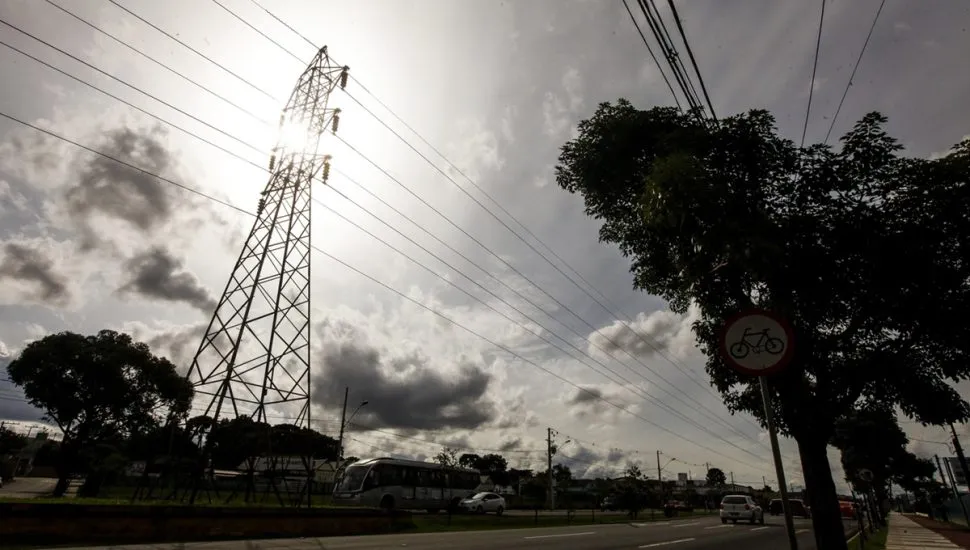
(157, 274)
(590, 403)
(659, 332)
(35, 270)
(403, 390)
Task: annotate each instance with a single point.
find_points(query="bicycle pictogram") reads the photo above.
(756, 342)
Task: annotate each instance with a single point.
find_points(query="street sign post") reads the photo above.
(756, 342)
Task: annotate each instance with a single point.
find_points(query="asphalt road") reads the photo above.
(687, 534)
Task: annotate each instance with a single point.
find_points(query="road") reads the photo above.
(28, 487)
(705, 533)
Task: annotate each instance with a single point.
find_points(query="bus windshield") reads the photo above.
(352, 479)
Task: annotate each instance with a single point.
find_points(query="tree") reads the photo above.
(632, 490)
(97, 387)
(717, 217)
(716, 477)
(469, 460)
(11, 441)
(448, 457)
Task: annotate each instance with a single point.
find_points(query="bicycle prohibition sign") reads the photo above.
(756, 342)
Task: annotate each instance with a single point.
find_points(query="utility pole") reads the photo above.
(764, 482)
(660, 479)
(734, 488)
(552, 496)
(960, 456)
(343, 421)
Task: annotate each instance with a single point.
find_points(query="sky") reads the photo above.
(497, 88)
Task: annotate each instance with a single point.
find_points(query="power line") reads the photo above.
(518, 323)
(160, 64)
(650, 51)
(811, 88)
(133, 106)
(674, 411)
(693, 61)
(671, 56)
(393, 290)
(261, 33)
(854, 69)
(120, 81)
(197, 52)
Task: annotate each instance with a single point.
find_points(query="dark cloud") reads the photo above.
(24, 264)
(157, 274)
(511, 445)
(109, 189)
(409, 395)
(590, 395)
(178, 345)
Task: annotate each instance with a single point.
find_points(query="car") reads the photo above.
(609, 503)
(847, 509)
(798, 508)
(483, 503)
(736, 508)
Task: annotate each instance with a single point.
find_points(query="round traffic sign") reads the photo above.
(757, 342)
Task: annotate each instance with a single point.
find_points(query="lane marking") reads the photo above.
(759, 528)
(656, 544)
(685, 524)
(649, 523)
(720, 526)
(800, 531)
(561, 535)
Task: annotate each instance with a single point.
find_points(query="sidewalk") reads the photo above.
(907, 534)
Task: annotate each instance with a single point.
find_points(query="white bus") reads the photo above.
(390, 483)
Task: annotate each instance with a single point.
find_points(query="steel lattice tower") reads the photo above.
(256, 350)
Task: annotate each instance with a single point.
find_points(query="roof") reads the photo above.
(404, 462)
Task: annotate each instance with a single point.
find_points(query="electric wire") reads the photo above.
(652, 55)
(197, 52)
(811, 88)
(434, 311)
(854, 69)
(502, 222)
(133, 106)
(693, 61)
(202, 87)
(640, 393)
(716, 418)
(261, 33)
(124, 83)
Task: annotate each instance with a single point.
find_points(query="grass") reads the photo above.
(443, 523)
(877, 540)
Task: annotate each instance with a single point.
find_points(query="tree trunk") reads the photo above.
(822, 496)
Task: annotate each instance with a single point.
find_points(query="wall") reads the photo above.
(92, 524)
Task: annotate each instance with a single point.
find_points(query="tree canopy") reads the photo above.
(716, 477)
(98, 388)
(717, 217)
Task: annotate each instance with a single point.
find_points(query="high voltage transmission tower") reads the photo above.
(255, 354)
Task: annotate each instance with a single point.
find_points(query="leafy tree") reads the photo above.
(448, 457)
(11, 441)
(727, 215)
(716, 477)
(632, 490)
(97, 387)
(469, 460)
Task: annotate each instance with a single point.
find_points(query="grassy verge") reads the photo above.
(442, 523)
(877, 540)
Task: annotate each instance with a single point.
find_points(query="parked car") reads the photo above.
(848, 509)
(741, 508)
(483, 503)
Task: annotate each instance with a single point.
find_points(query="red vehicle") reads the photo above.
(847, 508)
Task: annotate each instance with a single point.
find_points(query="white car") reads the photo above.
(483, 503)
(741, 508)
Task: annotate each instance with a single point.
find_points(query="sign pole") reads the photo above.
(779, 466)
(759, 343)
